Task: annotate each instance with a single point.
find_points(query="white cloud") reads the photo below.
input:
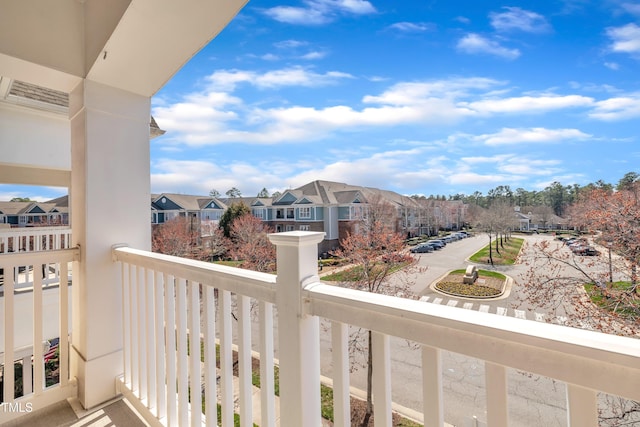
(612, 65)
(477, 179)
(379, 170)
(411, 27)
(508, 136)
(471, 160)
(418, 92)
(527, 167)
(619, 108)
(529, 104)
(290, 44)
(625, 39)
(632, 8)
(476, 44)
(517, 19)
(319, 12)
(198, 177)
(313, 55)
(217, 117)
(293, 76)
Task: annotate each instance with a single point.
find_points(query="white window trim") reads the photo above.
(305, 212)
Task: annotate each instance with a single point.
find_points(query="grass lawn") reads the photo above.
(507, 255)
(616, 298)
(482, 273)
(354, 273)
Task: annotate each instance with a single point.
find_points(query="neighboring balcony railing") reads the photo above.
(170, 303)
(33, 318)
(34, 239)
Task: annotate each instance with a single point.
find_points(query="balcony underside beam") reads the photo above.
(34, 175)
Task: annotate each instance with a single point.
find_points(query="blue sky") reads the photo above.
(419, 97)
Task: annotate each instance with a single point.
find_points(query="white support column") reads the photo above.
(27, 376)
(381, 381)
(267, 397)
(109, 204)
(432, 387)
(582, 407)
(340, 359)
(496, 386)
(299, 344)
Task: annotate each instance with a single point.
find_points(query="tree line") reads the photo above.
(556, 195)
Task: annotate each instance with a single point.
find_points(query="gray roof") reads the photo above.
(329, 192)
(186, 201)
(249, 201)
(21, 208)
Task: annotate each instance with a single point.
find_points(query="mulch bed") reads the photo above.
(490, 282)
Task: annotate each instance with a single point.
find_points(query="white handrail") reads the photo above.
(560, 352)
(557, 352)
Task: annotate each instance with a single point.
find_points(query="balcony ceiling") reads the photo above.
(134, 45)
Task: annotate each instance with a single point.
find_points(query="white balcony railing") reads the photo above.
(31, 318)
(34, 239)
(167, 299)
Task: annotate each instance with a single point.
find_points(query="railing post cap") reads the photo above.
(296, 238)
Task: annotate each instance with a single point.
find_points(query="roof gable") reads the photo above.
(213, 205)
(165, 203)
(304, 201)
(287, 198)
(36, 209)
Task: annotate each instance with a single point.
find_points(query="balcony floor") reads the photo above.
(117, 413)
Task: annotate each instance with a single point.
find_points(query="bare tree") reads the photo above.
(251, 244)
(214, 244)
(176, 237)
(374, 248)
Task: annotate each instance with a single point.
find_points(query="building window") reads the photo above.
(280, 214)
(356, 212)
(258, 213)
(304, 228)
(290, 213)
(279, 228)
(305, 213)
(289, 227)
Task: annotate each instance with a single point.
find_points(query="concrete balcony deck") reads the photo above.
(117, 413)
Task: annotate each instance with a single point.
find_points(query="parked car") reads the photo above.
(438, 243)
(586, 251)
(421, 248)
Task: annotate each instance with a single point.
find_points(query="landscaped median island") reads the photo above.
(489, 284)
(505, 252)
